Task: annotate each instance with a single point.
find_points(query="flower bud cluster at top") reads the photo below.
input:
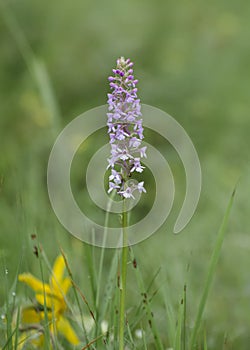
(125, 130)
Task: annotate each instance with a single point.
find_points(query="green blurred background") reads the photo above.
(192, 61)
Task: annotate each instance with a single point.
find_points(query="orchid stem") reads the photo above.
(123, 276)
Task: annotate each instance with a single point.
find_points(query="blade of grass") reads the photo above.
(103, 249)
(144, 340)
(184, 315)
(171, 324)
(180, 334)
(131, 342)
(46, 318)
(93, 341)
(211, 271)
(110, 288)
(151, 321)
(44, 85)
(75, 290)
(139, 314)
(35, 66)
(8, 317)
(153, 279)
(205, 340)
(16, 329)
(112, 303)
(8, 343)
(225, 342)
(110, 291)
(90, 253)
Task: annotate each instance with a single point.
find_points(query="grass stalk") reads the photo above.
(147, 304)
(101, 262)
(211, 270)
(180, 336)
(46, 318)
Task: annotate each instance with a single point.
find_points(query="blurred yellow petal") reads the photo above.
(53, 296)
(66, 284)
(30, 315)
(34, 283)
(52, 302)
(57, 273)
(65, 328)
(41, 301)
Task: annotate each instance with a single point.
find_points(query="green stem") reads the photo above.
(123, 276)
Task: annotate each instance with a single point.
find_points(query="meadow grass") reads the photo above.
(141, 319)
(165, 302)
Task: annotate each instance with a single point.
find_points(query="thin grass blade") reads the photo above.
(211, 271)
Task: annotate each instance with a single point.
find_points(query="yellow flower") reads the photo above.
(50, 297)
